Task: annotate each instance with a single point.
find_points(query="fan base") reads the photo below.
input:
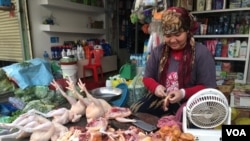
(206, 134)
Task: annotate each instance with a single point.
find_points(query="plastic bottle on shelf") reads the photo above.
(208, 4)
(79, 53)
(243, 49)
(237, 48)
(63, 53)
(46, 55)
(56, 55)
(218, 49)
(69, 52)
(231, 49)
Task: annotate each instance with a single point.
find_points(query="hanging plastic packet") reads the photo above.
(16, 102)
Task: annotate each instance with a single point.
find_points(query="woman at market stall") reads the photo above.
(177, 68)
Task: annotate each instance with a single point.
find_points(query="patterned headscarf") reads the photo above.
(177, 19)
(174, 20)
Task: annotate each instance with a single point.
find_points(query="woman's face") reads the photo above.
(176, 41)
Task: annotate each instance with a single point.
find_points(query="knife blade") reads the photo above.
(144, 125)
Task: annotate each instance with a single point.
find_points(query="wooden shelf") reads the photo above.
(55, 28)
(222, 10)
(223, 36)
(68, 5)
(229, 59)
(72, 6)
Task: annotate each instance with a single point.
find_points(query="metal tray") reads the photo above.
(106, 93)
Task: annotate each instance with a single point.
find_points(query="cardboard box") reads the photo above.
(240, 100)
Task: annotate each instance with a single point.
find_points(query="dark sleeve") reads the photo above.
(204, 74)
(152, 65)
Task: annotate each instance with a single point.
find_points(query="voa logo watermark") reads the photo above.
(236, 132)
(239, 132)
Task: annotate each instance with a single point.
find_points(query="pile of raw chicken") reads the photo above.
(38, 126)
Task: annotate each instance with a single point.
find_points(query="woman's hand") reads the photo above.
(175, 96)
(160, 91)
(172, 97)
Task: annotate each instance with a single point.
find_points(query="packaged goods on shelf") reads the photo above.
(240, 97)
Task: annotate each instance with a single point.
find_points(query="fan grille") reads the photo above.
(207, 110)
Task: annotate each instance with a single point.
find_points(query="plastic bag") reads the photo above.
(38, 72)
(136, 89)
(128, 71)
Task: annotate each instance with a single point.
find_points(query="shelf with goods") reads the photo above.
(226, 26)
(79, 21)
(218, 11)
(94, 27)
(55, 28)
(72, 6)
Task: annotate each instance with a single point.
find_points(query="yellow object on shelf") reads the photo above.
(242, 121)
(115, 83)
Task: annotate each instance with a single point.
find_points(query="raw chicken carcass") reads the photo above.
(99, 124)
(120, 114)
(61, 115)
(89, 98)
(96, 107)
(21, 120)
(41, 129)
(115, 112)
(77, 109)
(94, 111)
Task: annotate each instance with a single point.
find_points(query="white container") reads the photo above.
(68, 53)
(69, 71)
(231, 49)
(237, 48)
(243, 49)
(208, 4)
(108, 83)
(79, 53)
(63, 53)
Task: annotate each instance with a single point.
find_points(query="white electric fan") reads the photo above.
(206, 110)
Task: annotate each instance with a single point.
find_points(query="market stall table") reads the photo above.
(115, 124)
